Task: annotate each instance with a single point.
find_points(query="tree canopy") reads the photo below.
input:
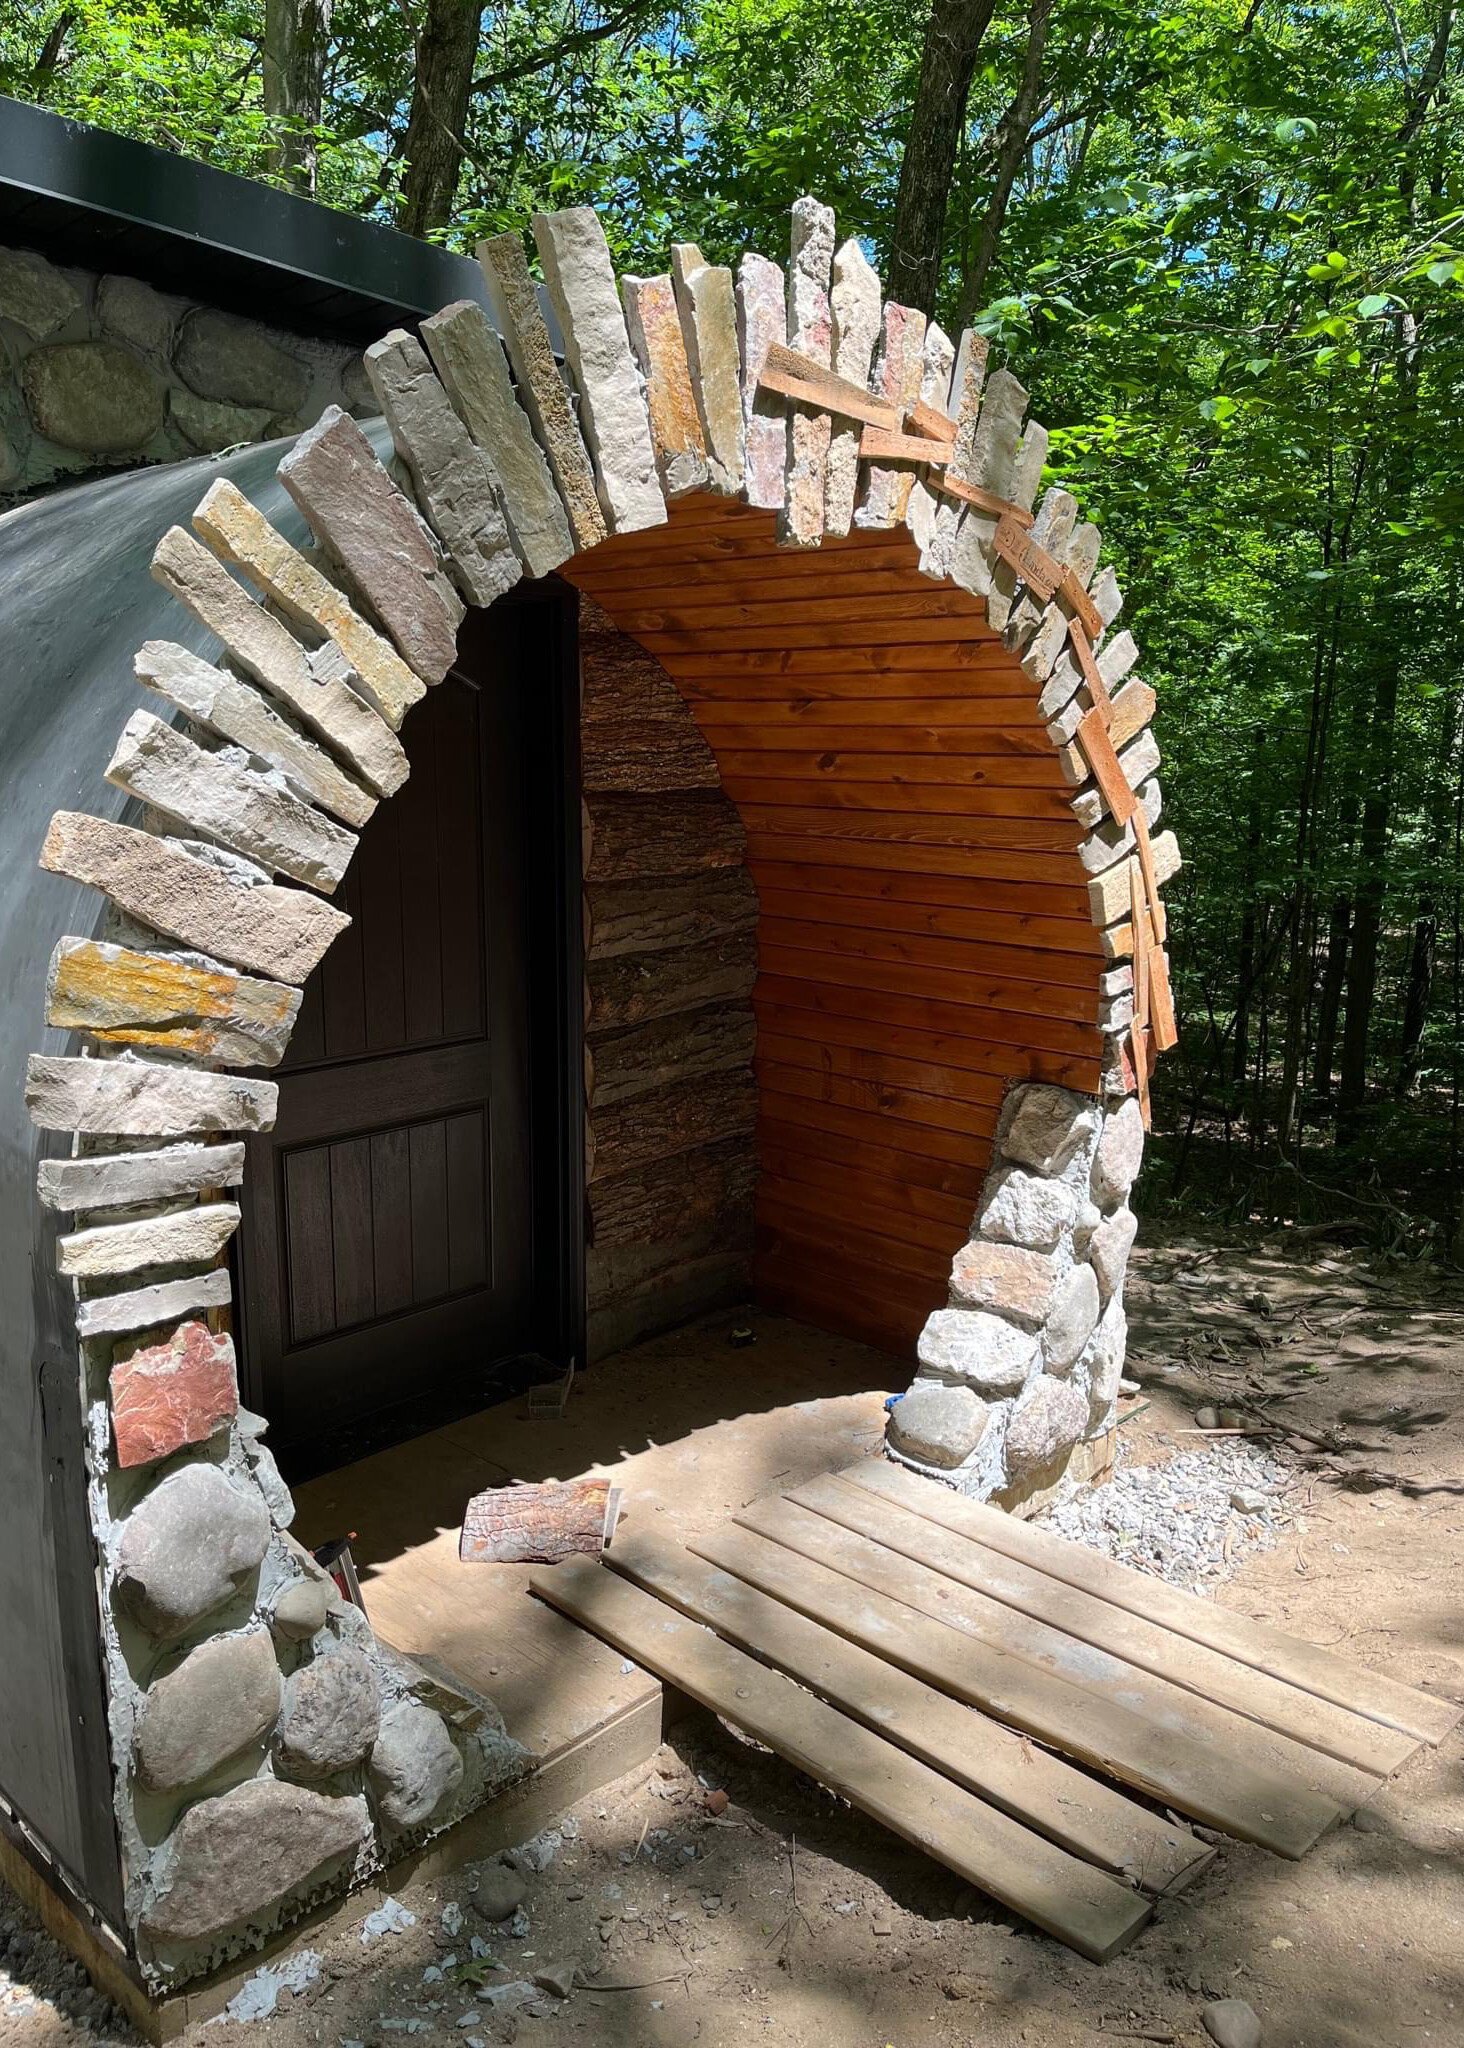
(1222, 243)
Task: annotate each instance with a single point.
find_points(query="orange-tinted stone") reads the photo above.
(168, 1395)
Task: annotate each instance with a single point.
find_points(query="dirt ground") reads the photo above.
(783, 1917)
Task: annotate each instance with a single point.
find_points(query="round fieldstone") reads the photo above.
(1105, 1363)
(1049, 1127)
(415, 1768)
(1109, 1249)
(1045, 1424)
(241, 1856)
(300, 1611)
(1027, 1209)
(1073, 1320)
(34, 294)
(332, 1715)
(209, 426)
(220, 357)
(94, 396)
(980, 1350)
(499, 1892)
(193, 1543)
(937, 1424)
(1120, 1149)
(1006, 1278)
(222, 1697)
(135, 313)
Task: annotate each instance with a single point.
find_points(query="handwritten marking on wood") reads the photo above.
(982, 500)
(797, 376)
(1029, 562)
(878, 445)
(1107, 769)
(539, 1524)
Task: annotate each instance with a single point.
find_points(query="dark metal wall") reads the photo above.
(76, 601)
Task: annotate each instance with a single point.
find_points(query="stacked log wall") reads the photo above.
(670, 959)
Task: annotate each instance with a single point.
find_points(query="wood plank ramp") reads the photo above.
(965, 1678)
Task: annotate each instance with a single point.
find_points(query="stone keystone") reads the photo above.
(167, 1000)
(282, 932)
(235, 1858)
(242, 535)
(855, 305)
(707, 304)
(580, 281)
(978, 1350)
(762, 320)
(456, 485)
(168, 1395)
(234, 710)
(899, 372)
(126, 1096)
(810, 330)
(219, 796)
(266, 650)
(655, 334)
(191, 1544)
(515, 305)
(379, 539)
(223, 1697)
(183, 1237)
(116, 1180)
(470, 360)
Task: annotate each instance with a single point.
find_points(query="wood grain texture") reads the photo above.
(924, 934)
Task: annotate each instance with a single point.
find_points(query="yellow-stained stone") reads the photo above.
(243, 536)
(156, 999)
(654, 326)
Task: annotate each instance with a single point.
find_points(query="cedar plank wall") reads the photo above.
(670, 955)
(924, 934)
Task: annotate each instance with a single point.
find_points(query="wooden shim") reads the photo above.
(896, 1524)
(1030, 563)
(1080, 1905)
(791, 374)
(1079, 1813)
(1256, 1643)
(983, 500)
(1089, 1706)
(1151, 880)
(539, 1524)
(879, 444)
(1139, 920)
(1092, 675)
(1161, 1002)
(1107, 768)
(1072, 592)
(929, 420)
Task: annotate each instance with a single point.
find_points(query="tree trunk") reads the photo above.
(1415, 1003)
(447, 50)
(1329, 1001)
(917, 243)
(296, 33)
(1013, 137)
(1362, 965)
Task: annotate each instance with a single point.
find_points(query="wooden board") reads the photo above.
(897, 1526)
(1255, 1643)
(1083, 1906)
(791, 374)
(1076, 1700)
(1079, 1813)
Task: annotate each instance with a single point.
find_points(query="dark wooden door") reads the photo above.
(388, 1259)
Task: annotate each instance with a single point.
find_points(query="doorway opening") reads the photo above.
(412, 1243)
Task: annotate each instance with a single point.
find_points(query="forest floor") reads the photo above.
(780, 1916)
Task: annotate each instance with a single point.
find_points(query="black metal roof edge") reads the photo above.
(104, 201)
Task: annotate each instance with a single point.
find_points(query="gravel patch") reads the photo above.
(1180, 1521)
(45, 1997)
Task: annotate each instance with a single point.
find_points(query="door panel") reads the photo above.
(388, 1251)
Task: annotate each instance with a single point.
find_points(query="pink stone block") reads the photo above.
(171, 1394)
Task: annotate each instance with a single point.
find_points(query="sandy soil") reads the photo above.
(782, 1917)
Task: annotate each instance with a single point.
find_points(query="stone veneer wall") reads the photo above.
(267, 1750)
(104, 372)
(1024, 1363)
(670, 960)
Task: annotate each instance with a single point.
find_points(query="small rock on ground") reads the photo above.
(1231, 2023)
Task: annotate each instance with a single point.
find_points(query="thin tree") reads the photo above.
(296, 37)
(953, 38)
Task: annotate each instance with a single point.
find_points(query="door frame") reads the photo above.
(554, 963)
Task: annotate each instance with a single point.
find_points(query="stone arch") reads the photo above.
(793, 496)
